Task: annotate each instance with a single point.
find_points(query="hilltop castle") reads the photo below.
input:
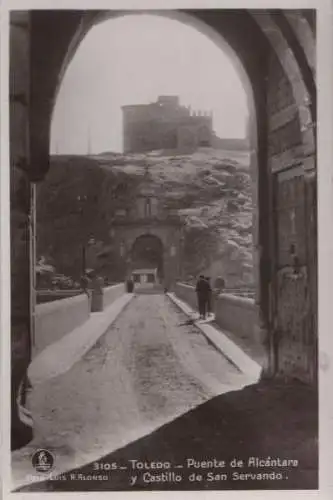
(165, 124)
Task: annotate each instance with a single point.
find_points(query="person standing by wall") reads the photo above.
(129, 285)
(96, 287)
(209, 306)
(202, 290)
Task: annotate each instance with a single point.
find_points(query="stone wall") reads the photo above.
(53, 320)
(292, 166)
(237, 315)
(56, 319)
(187, 293)
(168, 234)
(112, 293)
(20, 217)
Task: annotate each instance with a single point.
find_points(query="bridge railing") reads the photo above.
(55, 319)
(241, 292)
(43, 296)
(111, 293)
(234, 314)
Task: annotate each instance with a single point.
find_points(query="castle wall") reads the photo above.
(164, 125)
(196, 133)
(150, 135)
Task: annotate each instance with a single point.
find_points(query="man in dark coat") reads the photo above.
(202, 289)
(209, 296)
(129, 285)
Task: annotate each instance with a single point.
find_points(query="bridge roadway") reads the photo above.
(151, 366)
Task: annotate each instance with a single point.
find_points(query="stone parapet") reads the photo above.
(237, 315)
(55, 319)
(111, 293)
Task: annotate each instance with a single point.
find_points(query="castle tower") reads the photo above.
(165, 124)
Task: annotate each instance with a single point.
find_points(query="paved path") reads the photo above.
(149, 368)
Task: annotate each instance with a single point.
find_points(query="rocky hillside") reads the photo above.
(209, 189)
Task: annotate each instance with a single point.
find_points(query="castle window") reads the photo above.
(148, 207)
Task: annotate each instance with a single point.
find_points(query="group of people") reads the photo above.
(204, 295)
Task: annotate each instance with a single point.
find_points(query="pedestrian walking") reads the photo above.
(202, 290)
(129, 285)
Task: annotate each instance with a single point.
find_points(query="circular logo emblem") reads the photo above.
(42, 460)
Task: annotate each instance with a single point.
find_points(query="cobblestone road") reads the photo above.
(150, 367)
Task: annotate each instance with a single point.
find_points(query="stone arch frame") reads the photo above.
(302, 88)
(131, 234)
(154, 236)
(146, 233)
(170, 235)
(42, 45)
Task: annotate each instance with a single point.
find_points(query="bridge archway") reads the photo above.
(147, 252)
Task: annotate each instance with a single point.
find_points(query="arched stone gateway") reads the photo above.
(156, 240)
(147, 252)
(274, 53)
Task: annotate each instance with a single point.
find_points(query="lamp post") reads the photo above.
(82, 199)
(83, 261)
(124, 257)
(181, 255)
(89, 257)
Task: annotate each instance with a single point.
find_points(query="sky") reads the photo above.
(133, 60)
